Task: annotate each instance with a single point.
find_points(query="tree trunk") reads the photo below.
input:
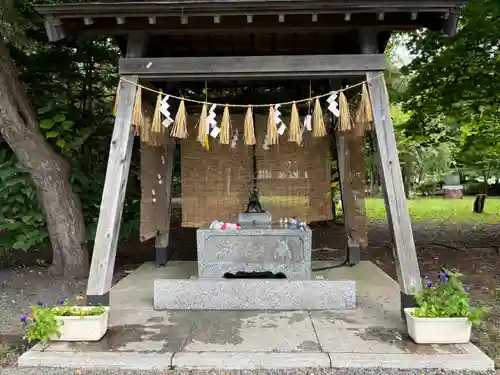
(407, 174)
(48, 170)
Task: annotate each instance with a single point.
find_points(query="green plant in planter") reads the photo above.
(41, 323)
(448, 297)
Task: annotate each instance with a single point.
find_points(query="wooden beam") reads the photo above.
(405, 254)
(251, 67)
(115, 183)
(368, 41)
(238, 8)
(54, 29)
(451, 25)
(162, 240)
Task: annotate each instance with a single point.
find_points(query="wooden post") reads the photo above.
(348, 204)
(396, 205)
(113, 196)
(162, 240)
(346, 190)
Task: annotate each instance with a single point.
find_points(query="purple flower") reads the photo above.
(23, 318)
(62, 301)
(443, 276)
(466, 289)
(428, 284)
(41, 304)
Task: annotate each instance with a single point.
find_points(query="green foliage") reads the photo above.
(447, 298)
(22, 224)
(42, 323)
(453, 88)
(72, 84)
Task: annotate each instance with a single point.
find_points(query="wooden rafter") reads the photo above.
(251, 67)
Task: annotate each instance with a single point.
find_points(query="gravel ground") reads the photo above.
(24, 287)
(312, 371)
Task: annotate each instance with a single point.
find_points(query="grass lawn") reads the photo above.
(441, 210)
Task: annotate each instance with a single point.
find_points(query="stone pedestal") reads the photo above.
(453, 191)
(258, 246)
(255, 248)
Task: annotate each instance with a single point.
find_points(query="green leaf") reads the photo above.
(59, 118)
(52, 134)
(15, 181)
(27, 219)
(11, 226)
(21, 245)
(46, 124)
(67, 125)
(61, 143)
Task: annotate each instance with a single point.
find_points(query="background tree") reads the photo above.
(453, 88)
(72, 84)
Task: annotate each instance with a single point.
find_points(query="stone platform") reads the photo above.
(251, 294)
(275, 248)
(369, 338)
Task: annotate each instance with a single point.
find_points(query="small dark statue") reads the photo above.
(254, 206)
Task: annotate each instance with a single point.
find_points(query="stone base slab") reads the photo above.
(247, 294)
(256, 360)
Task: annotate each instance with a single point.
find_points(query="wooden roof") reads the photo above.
(239, 17)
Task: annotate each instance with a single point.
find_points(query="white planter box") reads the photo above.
(438, 330)
(85, 328)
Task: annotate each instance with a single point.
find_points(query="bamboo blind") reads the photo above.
(294, 181)
(215, 183)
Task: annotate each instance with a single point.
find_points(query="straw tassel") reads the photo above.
(202, 125)
(117, 97)
(144, 130)
(249, 128)
(272, 132)
(156, 127)
(137, 117)
(294, 134)
(180, 124)
(345, 113)
(365, 111)
(225, 127)
(319, 129)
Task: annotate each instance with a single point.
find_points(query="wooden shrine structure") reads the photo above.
(177, 41)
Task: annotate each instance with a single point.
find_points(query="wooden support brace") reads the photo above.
(348, 204)
(113, 196)
(54, 29)
(162, 240)
(405, 254)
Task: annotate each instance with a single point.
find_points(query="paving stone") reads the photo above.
(249, 361)
(252, 331)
